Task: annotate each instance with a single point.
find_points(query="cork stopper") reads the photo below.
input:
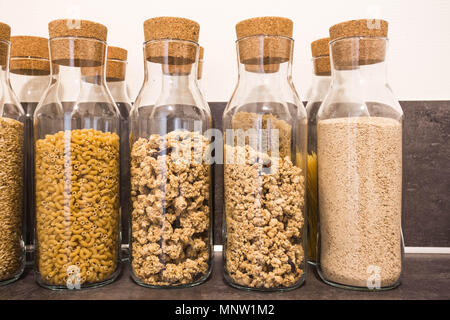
(116, 64)
(272, 47)
(358, 42)
(177, 69)
(5, 34)
(266, 68)
(79, 43)
(29, 56)
(180, 37)
(92, 74)
(200, 63)
(117, 53)
(320, 47)
(322, 66)
(321, 57)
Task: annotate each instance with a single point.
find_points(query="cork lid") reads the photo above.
(117, 53)
(322, 66)
(177, 69)
(270, 26)
(272, 47)
(358, 42)
(266, 68)
(79, 43)
(29, 55)
(359, 28)
(5, 34)
(77, 28)
(321, 57)
(116, 64)
(171, 40)
(320, 47)
(171, 28)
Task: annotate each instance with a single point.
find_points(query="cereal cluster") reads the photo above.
(77, 205)
(171, 224)
(251, 120)
(360, 192)
(11, 159)
(264, 204)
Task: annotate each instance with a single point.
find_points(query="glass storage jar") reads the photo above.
(77, 163)
(12, 246)
(265, 130)
(116, 66)
(359, 152)
(319, 88)
(171, 230)
(30, 77)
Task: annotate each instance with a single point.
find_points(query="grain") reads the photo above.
(360, 185)
(11, 159)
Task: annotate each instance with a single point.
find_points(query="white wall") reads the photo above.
(419, 62)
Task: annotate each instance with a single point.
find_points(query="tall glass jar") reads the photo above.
(12, 247)
(30, 77)
(116, 66)
(264, 229)
(319, 88)
(171, 230)
(76, 129)
(359, 150)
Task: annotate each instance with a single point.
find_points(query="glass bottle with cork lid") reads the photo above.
(171, 231)
(264, 128)
(12, 246)
(76, 129)
(359, 153)
(30, 77)
(116, 66)
(319, 88)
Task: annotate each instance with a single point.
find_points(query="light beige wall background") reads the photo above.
(419, 61)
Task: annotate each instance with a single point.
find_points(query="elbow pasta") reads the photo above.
(77, 205)
(11, 157)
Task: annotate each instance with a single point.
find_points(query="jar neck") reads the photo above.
(359, 61)
(170, 73)
(30, 77)
(119, 91)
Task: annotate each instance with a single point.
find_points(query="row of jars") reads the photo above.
(320, 184)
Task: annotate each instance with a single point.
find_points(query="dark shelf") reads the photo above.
(425, 276)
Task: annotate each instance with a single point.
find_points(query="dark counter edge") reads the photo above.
(425, 277)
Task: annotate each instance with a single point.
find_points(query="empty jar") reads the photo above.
(12, 247)
(359, 153)
(77, 163)
(116, 66)
(265, 128)
(171, 233)
(319, 88)
(30, 77)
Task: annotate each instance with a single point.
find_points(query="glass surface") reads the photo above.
(319, 89)
(12, 247)
(265, 133)
(76, 131)
(171, 217)
(359, 152)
